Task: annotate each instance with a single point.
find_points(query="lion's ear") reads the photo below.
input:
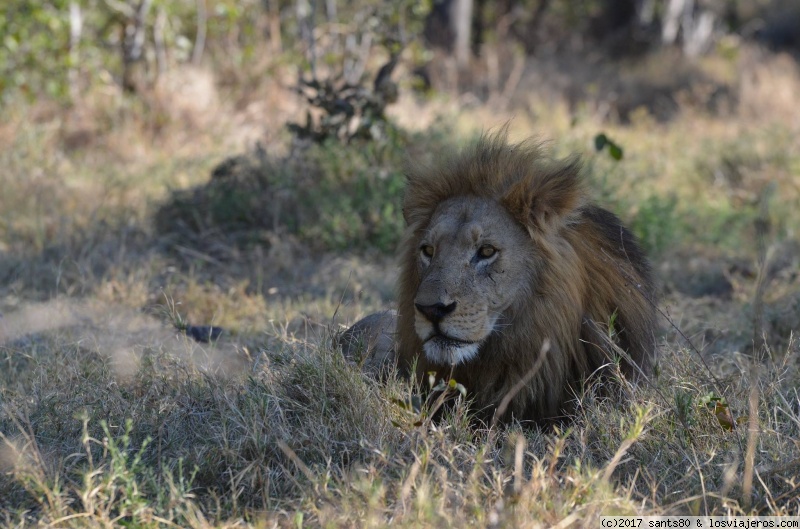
(546, 200)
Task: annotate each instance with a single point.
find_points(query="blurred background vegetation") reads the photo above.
(61, 48)
(100, 63)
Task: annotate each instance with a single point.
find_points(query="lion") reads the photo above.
(513, 282)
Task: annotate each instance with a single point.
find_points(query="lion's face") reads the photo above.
(473, 260)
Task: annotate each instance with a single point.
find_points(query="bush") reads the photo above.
(330, 196)
(656, 223)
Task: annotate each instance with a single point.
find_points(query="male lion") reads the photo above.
(512, 282)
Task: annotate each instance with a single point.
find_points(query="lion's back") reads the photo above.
(621, 286)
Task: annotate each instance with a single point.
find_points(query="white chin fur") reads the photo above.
(449, 354)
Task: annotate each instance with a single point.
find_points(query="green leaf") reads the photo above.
(600, 141)
(615, 151)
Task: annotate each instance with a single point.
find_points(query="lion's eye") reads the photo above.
(486, 251)
(427, 250)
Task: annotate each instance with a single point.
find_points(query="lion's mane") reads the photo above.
(593, 280)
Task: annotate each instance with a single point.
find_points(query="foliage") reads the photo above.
(336, 86)
(601, 141)
(35, 36)
(348, 111)
(331, 197)
(58, 47)
(656, 223)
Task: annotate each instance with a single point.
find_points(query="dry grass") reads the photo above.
(290, 429)
(109, 416)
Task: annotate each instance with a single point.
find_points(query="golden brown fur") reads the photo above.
(559, 269)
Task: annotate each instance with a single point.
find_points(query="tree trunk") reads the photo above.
(461, 24)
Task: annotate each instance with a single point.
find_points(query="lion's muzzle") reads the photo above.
(440, 340)
(435, 313)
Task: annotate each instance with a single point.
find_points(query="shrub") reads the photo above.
(331, 196)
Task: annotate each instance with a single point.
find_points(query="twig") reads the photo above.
(762, 226)
(202, 28)
(158, 40)
(521, 383)
(294, 458)
(752, 435)
(513, 79)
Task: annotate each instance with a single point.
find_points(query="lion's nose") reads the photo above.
(436, 312)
